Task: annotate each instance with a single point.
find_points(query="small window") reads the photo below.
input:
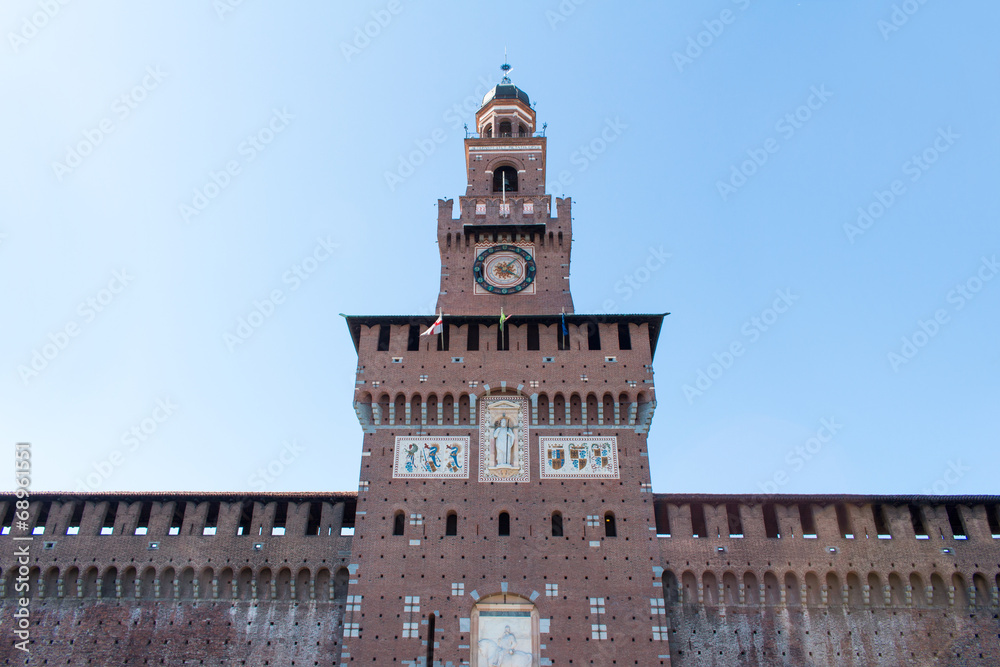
(624, 336)
(504, 524)
(844, 522)
(313, 526)
(919, 527)
(443, 339)
(533, 336)
(593, 336)
(698, 527)
(413, 340)
(610, 529)
(8, 520)
(246, 518)
(212, 520)
(881, 524)
(562, 337)
(488, 131)
(522, 131)
(662, 516)
(43, 517)
(770, 521)
(108, 526)
(808, 522)
(398, 522)
(142, 528)
(993, 519)
(74, 522)
(503, 337)
(955, 519)
(473, 341)
(451, 524)
(280, 518)
(505, 128)
(505, 180)
(557, 524)
(383, 338)
(734, 520)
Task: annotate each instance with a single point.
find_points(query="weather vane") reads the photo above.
(505, 67)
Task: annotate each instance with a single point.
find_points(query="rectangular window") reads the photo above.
(383, 338)
(74, 522)
(315, 514)
(533, 336)
(919, 527)
(562, 339)
(280, 517)
(698, 528)
(503, 337)
(212, 519)
(624, 336)
(142, 528)
(43, 516)
(881, 522)
(593, 336)
(734, 520)
(807, 519)
(473, 341)
(955, 519)
(844, 522)
(8, 519)
(108, 525)
(770, 521)
(993, 519)
(662, 516)
(443, 339)
(246, 518)
(413, 340)
(178, 519)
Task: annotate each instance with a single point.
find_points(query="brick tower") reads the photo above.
(505, 514)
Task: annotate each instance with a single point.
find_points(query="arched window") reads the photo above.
(522, 131)
(610, 530)
(488, 131)
(557, 525)
(451, 524)
(505, 128)
(505, 180)
(397, 523)
(504, 524)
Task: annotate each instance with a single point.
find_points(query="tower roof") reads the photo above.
(506, 91)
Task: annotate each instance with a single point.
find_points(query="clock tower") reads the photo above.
(505, 513)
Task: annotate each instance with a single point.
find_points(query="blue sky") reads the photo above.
(167, 166)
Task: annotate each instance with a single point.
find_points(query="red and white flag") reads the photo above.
(435, 328)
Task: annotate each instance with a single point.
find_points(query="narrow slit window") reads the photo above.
(504, 524)
(451, 524)
(74, 522)
(993, 519)
(662, 516)
(177, 520)
(8, 519)
(43, 516)
(398, 522)
(593, 336)
(430, 638)
(503, 337)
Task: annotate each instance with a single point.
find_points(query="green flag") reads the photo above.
(503, 318)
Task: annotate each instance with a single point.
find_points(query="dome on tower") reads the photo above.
(506, 91)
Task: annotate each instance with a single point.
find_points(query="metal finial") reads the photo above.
(506, 68)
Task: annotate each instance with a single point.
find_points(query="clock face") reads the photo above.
(504, 269)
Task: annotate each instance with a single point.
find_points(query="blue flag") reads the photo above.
(565, 331)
